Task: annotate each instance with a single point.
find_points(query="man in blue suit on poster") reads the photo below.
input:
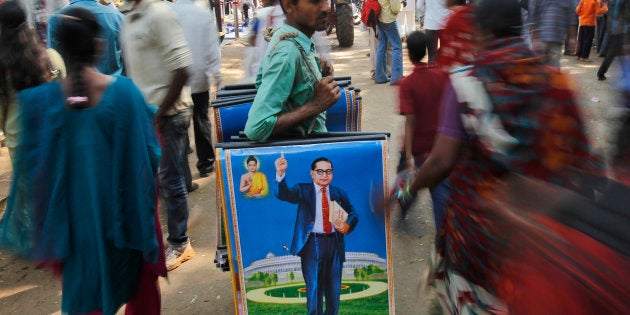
(317, 239)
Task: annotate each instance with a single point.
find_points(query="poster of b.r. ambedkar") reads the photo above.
(309, 233)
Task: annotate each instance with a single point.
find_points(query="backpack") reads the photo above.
(370, 12)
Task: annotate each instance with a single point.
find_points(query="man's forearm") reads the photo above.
(174, 90)
(293, 118)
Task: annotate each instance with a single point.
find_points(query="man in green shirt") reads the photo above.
(293, 89)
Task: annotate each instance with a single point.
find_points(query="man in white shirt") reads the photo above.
(407, 18)
(201, 34)
(156, 59)
(435, 14)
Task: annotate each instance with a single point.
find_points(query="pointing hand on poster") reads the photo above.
(281, 165)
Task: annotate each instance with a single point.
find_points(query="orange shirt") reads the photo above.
(588, 10)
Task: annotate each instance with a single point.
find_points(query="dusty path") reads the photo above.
(197, 287)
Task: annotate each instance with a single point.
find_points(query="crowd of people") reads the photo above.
(97, 113)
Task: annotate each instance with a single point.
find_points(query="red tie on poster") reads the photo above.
(325, 212)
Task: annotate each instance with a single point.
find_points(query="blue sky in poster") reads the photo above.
(266, 224)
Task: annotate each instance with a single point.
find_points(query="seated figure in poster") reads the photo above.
(254, 183)
(317, 239)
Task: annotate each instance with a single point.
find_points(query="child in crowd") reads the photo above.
(419, 99)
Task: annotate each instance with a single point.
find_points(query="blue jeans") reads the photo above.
(172, 175)
(388, 33)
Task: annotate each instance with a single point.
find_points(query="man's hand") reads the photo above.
(327, 68)
(341, 227)
(326, 93)
(281, 165)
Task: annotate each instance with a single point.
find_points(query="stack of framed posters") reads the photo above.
(233, 103)
(230, 109)
(285, 256)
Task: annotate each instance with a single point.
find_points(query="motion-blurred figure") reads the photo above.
(157, 58)
(110, 56)
(419, 100)
(84, 194)
(24, 63)
(506, 114)
(587, 10)
(550, 21)
(619, 18)
(268, 19)
(201, 34)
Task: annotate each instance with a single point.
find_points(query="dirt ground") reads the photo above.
(197, 287)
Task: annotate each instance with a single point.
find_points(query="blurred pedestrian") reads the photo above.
(570, 41)
(267, 19)
(245, 6)
(201, 34)
(435, 14)
(157, 58)
(587, 10)
(388, 35)
(550, 22)
(458, 42)
(24, 63)
(619, 17)
(517, 117)
(294, 87)
(601, 30)
(84, 194)
(419, 100)
(406, 19)
(110, 60)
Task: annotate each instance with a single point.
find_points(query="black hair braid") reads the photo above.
(77, 32)
(78, 88)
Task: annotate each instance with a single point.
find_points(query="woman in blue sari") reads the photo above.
(83, 196)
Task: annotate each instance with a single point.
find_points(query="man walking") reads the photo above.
(407, 18)
(388, 34)
(435, 14)
(551, 22)
(201, 34)
(294, 89)
(110, 20)
(157, 58)
(318, 241)
(619, 18)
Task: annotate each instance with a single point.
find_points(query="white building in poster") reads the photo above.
(284, 265)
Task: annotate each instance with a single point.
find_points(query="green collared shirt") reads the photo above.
(284, 81)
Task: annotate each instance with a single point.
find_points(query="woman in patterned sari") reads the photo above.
(505, 115)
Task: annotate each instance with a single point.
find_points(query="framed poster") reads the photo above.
(307, 226)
